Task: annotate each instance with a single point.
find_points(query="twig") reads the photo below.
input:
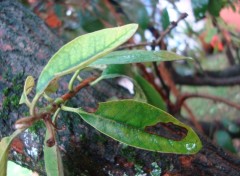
(134, 45)
(28, 121)
(165, 87)
(160, 41)
(163, 34)
(186, 96)
(170, 27)
(150, 79)
(81, 85)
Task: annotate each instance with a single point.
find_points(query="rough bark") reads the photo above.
(25, 46)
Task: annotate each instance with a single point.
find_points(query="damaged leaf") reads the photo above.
(129, 122)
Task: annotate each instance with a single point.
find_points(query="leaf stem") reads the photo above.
(70, 85)
(69, 109)
(33, 105)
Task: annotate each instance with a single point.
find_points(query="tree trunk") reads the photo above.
(26, 44)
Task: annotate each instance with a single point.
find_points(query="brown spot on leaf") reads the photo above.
(167, 130)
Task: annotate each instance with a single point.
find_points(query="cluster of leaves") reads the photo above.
(136, 126)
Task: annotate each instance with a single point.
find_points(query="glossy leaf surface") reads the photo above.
(153, 97)
(82, 51)
(134, 56)
(53, 160)
(128, 121)
(4, 150)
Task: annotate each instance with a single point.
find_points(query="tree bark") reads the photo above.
(228, 77)
(26, 44)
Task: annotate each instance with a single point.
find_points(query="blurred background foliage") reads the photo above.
(210, 35)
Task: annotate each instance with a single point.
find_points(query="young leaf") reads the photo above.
(152, 95)
(29, 84)
(4, 149)
(134, 56)
(136, 124)
(52, 87)
(53, 160)
(82, 51)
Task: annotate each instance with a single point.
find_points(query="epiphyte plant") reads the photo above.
(136, 126)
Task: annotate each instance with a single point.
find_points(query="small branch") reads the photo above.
(186, 96)
(197, 80)
(159, 41)
(51, 108)
(134, 45)
(149, 77)
(164, 33)
(165, 87)
(83, 84)
(170, 27)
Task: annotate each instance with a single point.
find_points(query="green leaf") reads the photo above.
(52, 87)
(82, 51)
(123, 70)
(224, 140)
(4, 150)
(214, 7)
(199, 8)
(113, 71)
(134, 56)
(130, 122)
(28, 85)
(153, 97)
(165, 19)
(52, 159)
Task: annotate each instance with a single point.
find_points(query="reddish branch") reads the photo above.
(150, 79)
(83, 84)
(186, 96)
(45, 116)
